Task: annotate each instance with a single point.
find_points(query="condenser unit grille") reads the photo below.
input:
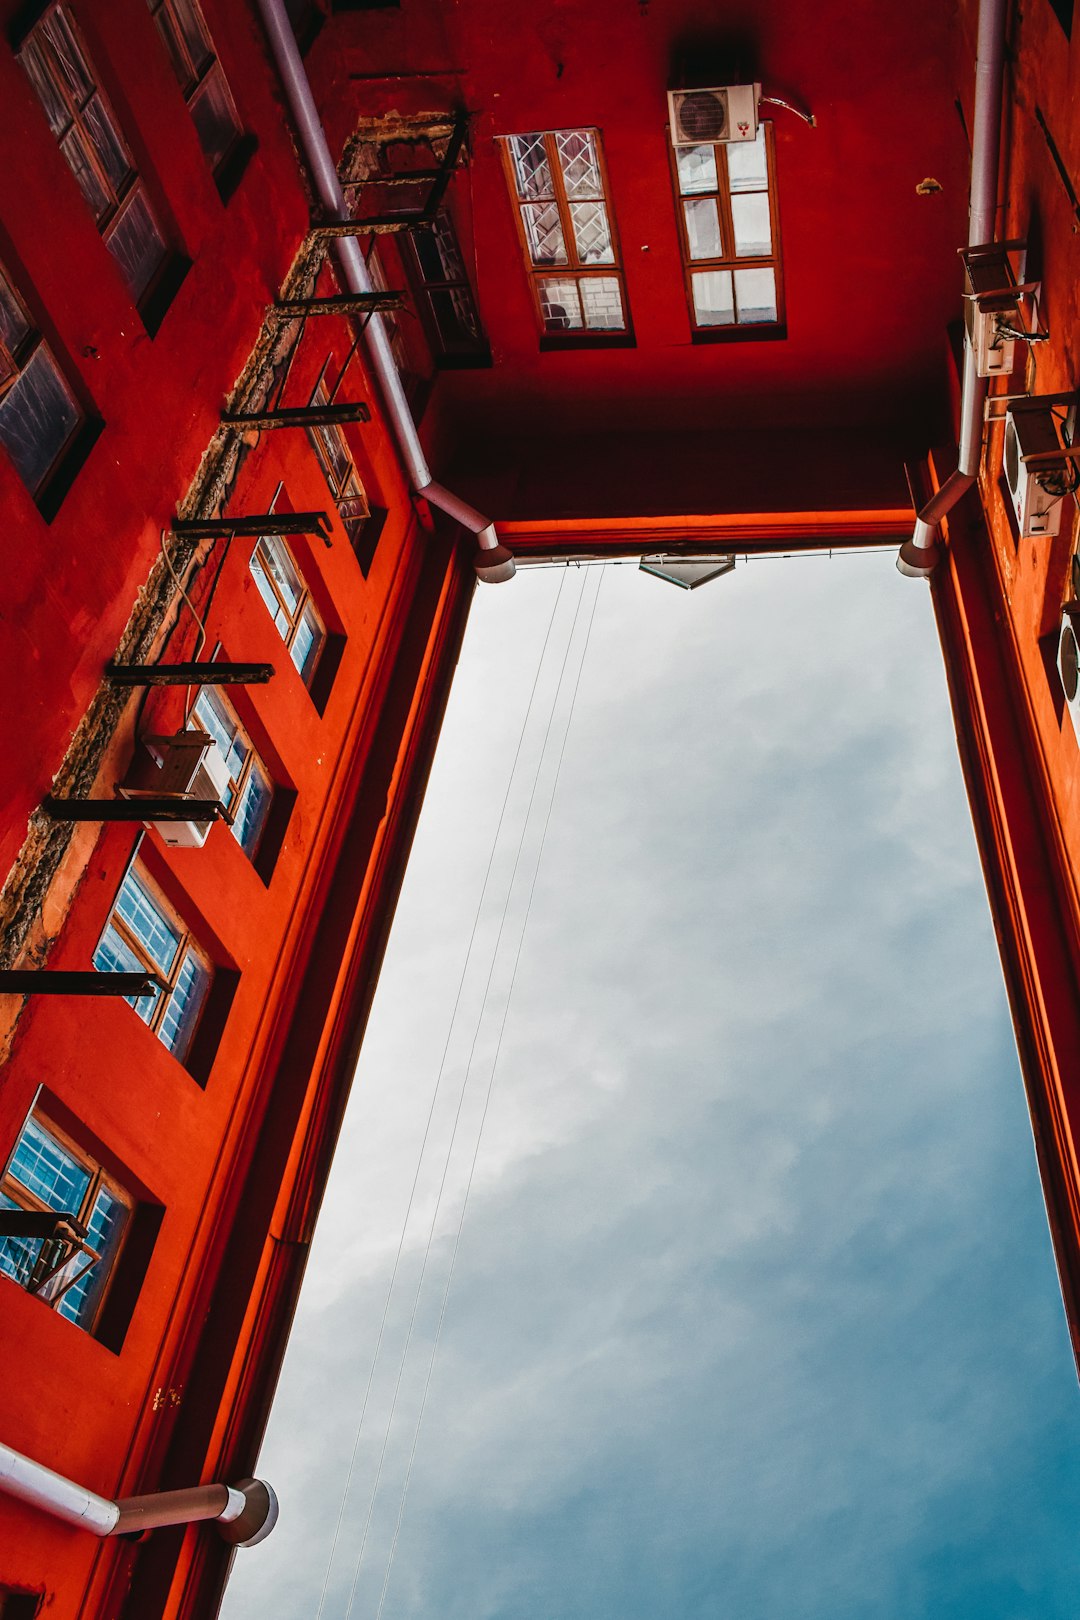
(701, 116)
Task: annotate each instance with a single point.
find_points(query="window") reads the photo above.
(46, 1173)
(144, 933)
(289, 602)
(728, 229)
(566, 226)
(250, 790)
(339, 470)
(198, 73)
(39, 415)
(95, 150)
(445, 298)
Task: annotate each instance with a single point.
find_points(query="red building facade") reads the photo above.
(611, 345)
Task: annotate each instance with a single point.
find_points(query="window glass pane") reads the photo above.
(592, 233)
(45, 1168)
(531, 166)
(137, 245)
(185, 1004)
(186, 76)
(307, 643)
(601, 298)
(703, 228)
(266, 590)
(193, 31)
(107, 143)
(138, 909)
(35, 62)
(14, 325)
(334, 457)
(747, 164)
(543, 232)
(66, 53)
(76, 150)
(214, 119)
(212, 716)
(559, 304)
(114, 955)
(38, 415)
(281, 572)
(437, 252)
(755, 294)
(714, 302)
(252, 810)
(578, 161)
(697, 169)
(750, 218)
(455, 317)
(18, 1255)
(104, 1228)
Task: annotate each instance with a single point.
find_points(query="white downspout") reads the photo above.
(494, 562)
(920, 555)
(245, 1513)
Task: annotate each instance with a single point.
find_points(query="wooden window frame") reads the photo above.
(186, 947)
(196, 82)
(304, 600)
(132, 189)
(749, 331)
(24, 1198)
(573, 269)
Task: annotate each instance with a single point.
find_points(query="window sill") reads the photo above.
(774, 332)
(551, 342)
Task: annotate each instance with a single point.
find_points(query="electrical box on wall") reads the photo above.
(710, 116)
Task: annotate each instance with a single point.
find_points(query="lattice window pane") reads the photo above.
(747, 164)
(138, 909)
(544, 233)
(14, 323)
(107, 143)
(137, 245)
(531, 166)
(750, 218)
(38, 415)
(559, 304)
(755, 295)
(601, 298)
(279, 567)
(77, 156)
(703, 236)
(455, 316)
(18, 1255)
(592, 233)
(714, 300)
(307, 643)
(67, 54)
(104, 1228)
(44, 1168)
(178, 1024)
(56, 109)
(114, 955)
(253, 809)
(579, 163)
(193, 32)
(697, 169)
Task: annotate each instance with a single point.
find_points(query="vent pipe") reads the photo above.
(244, 1513)
(493, 562)
(920, 555)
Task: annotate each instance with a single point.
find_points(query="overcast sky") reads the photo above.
(754, 1314)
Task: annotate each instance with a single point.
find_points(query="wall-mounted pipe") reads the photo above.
(244, 1513)
(920, 555)
(493, 562)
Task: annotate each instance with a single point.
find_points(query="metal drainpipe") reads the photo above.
(920, 555)
(493, 562)
(245, 1513)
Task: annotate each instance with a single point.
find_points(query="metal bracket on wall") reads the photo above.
(152, 807)
(53, 982)
(189, 674)
(304, 416)
(338, 304)
(252, 525)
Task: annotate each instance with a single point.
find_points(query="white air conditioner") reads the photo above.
(191, 767)
(995, 354)
(1036, 491)
(991, 308)
(704, 117)
(1068, 662)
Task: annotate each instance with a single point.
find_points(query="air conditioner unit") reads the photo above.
(991, 308)
(191, 767)
(1068, 662)
(1036, 491)
(705, 117)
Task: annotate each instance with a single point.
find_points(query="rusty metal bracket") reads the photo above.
(154, 807)
(338, 304)
(304, 416)
(189, 674)
(253, 525)
(50, 982)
